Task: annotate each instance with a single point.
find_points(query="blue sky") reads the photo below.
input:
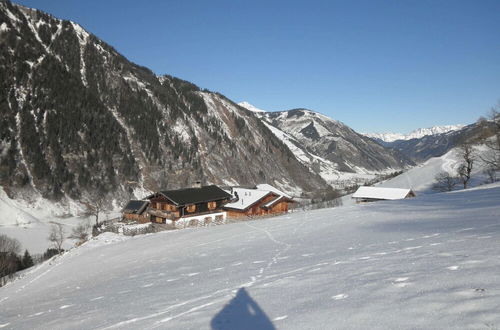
(375, 65)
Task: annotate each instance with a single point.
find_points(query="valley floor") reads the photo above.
(431, 262)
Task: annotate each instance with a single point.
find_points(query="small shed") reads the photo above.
(135, 210)
(372, 194)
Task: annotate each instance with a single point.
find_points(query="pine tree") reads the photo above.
(27, 261)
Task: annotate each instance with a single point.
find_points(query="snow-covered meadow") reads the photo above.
(29, 220)
(421, 177)
(431, 262)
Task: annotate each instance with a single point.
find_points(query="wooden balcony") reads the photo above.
(164, 214)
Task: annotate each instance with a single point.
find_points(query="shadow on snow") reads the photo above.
(242, 312)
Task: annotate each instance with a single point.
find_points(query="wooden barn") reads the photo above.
(256, 202)
(191, 205)
(373, 194)
(136, 210)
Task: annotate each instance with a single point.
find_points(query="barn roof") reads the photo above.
(381, 193)
(265, 186)
(135, 206)
(247, 198)
(195, 195)
(278, 199)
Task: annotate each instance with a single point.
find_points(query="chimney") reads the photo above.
(197, 184)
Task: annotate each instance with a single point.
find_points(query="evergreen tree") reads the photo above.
(27, 261)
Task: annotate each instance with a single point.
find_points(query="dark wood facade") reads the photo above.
(135, 210)
(172, 205)
(162, 209)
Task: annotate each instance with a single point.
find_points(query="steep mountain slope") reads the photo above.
(428, 263)
(415, 134)
(78, 119)
(329, 147)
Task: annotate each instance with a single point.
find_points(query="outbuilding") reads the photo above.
(136, 210)
(257, 202)
(372, 194)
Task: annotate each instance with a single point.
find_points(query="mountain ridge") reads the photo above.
(415, 134)
(330, 148)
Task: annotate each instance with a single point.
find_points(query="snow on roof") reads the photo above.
(265, 186)
(246, 198)
(273, 201)
(381, 193)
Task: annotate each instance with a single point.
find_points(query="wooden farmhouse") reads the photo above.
(256, 202)
(191, 206)
(136, 210)
(373, 194)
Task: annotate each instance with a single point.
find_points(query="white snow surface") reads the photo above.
(246, 197)
(30, 221)
(265, 186)
(429, 262)
(250, 107)
(415, 134)
(421, 177)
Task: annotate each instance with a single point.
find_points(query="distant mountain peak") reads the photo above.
(415, 134)
(250, 107)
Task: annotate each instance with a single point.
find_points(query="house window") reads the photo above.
(212, 205)
(191, 208)
(168, 207)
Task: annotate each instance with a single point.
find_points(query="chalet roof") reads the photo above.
(247, 198)
(265, 186)
(135, 206)
(276, 200)
(195, 195)
(381, 193)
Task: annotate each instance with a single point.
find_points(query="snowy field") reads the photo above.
(29, 221)
(431, 262)
(421, 177)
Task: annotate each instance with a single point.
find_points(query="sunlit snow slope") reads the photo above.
(429, 263)
(421, 177)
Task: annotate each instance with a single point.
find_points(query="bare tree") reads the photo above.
(491, 138)
(95, 208)
(467, 154)
(444, 181)
(56, 236)
(491, 173)
(9, 248)
(80, 232)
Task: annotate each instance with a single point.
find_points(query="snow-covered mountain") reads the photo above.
(435, 145)
(78, 120)
(250, 107)
(415, 134)
(430, 262)
(330, 148)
